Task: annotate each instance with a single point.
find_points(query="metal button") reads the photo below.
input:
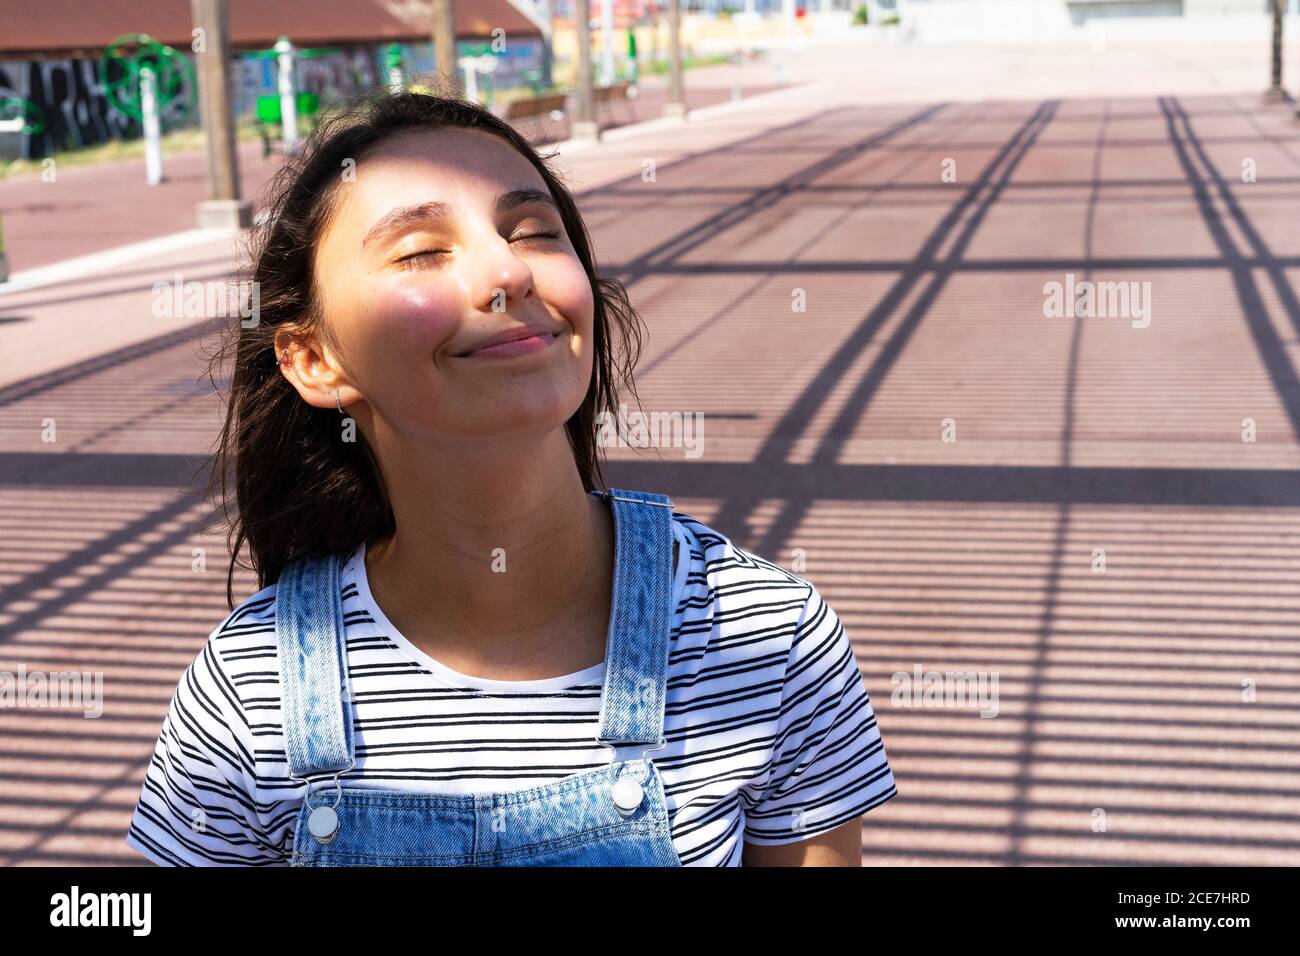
(628, 794)
(323, 824)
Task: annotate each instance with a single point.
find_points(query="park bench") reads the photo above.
(607, 96)
(531, 114)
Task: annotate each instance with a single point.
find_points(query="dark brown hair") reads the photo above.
(298, 490)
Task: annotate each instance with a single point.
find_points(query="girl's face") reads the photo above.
(448, 239)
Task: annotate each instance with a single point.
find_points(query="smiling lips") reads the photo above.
(522, 340)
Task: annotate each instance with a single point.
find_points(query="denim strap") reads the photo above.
(316, 701)
(312, 653)
(640, 620)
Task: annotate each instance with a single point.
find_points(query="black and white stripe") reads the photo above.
(771, 736)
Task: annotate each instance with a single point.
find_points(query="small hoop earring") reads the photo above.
(336, 401)
(284, 356)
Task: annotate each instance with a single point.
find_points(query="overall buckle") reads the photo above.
(628, 792)
(323, 820)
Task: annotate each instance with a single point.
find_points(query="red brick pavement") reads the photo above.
(1145, 714)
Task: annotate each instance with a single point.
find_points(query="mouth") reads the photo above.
(523, 342)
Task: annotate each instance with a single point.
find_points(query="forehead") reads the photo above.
(443, 165)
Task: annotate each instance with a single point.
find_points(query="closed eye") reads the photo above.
(555, 234)
(409, 261)
(430, 256)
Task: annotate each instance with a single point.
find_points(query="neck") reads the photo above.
(498, 554)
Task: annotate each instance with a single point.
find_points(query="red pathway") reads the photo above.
(1147, 713)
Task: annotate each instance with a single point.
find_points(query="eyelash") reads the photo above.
(440, 252)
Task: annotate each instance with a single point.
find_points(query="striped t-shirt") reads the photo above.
(770, 734)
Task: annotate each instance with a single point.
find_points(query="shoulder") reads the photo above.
(744, 623)
(765, 691)
(249, 616)
(250, 624)
(239, 653)
(741, 584)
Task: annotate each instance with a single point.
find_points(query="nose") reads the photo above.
(501, 278)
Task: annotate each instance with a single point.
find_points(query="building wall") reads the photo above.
(77, 112)
(1037, 21)
(72, 102)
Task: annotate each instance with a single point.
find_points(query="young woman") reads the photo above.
(464, 652)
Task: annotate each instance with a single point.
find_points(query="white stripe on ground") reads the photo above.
(98, 262)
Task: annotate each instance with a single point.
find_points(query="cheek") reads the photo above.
(412, 316)
(568, 289)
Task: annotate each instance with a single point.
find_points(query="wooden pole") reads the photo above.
(223, 208)
(1275, 90)
(676, 103)
(583, 124)
(444, 46)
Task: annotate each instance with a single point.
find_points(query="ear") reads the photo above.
(312, 369)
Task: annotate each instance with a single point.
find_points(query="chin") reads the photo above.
(525, 419)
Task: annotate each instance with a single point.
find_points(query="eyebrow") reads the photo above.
(408, 215)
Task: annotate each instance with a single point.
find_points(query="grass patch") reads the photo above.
(187, 140)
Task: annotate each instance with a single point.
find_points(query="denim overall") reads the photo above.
(615, 815)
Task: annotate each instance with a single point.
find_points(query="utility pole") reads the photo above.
(223, 208)
(676, 103)
(444, 46)
(584, 125)
(1275, 90)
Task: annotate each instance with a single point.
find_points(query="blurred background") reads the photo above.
(988, 308)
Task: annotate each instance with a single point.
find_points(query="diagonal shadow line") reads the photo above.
(1256, 242)
(42, 383)
(1272, 352)
(1281, 142)
(970, 212)
(128, 423)
(767, 197)
(58, 827)
(615, 186)
(720, 314)
(1018, 830)
(847, 418)
(39, 384)
(76, 563)
(776, 447)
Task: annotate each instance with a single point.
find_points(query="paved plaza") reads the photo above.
(849, 276)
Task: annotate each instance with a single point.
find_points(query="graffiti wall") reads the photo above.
(356, 69)
(77, 114)
(72, 103)
(333, 76)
